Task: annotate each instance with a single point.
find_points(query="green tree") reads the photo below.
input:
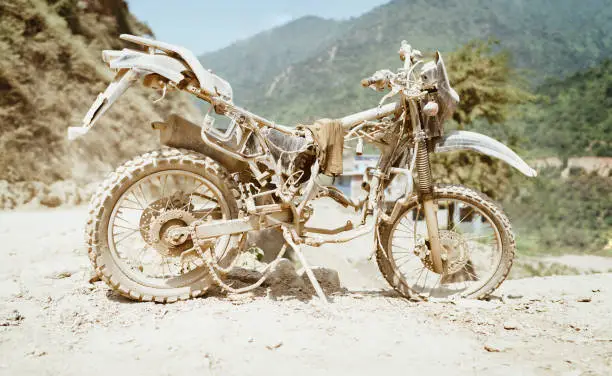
(490, 90)
(487, 84)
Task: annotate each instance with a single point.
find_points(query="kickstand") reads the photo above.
(298, 250)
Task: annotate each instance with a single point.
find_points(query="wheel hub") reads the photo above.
(158, 207)
(163, 235)
(455, 252)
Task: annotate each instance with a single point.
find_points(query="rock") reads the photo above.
(37, 353)
(61, 274)
(584, 299)
(327, 278)
(514, 296)
(511, 325)
(495, 347)
(575, 327)
(12, 319)
(275, 346)
(51, 201)
(283, 273)
(244, 275)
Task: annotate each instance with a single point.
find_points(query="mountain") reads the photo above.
(573, 116)
(50, 72)
(253, 63)
(560, 47)
(550, 38)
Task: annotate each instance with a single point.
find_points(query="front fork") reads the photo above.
(425, 191)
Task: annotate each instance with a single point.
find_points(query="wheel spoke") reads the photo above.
(125, 237)
(436, 284)
(144, 197)
(127, 228)
(400, 247)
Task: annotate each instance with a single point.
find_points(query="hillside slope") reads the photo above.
(326, 83)
(254, 62)
(50, 73)
(574, 116)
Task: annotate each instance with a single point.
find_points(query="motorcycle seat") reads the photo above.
(286, 142)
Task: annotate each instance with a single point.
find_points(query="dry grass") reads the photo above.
(50, 73)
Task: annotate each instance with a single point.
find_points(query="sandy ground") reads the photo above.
(53, 322)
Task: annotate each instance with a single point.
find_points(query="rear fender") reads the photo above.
(163, 65)
(209, 82)
(123, 80)
(131, 65)
(464, 140)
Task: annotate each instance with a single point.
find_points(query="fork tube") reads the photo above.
(425, 190)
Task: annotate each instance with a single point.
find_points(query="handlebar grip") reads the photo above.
(367, 82)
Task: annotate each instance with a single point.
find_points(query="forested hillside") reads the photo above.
(254, 63)
(573, 116)
(558, 52)
(550, 39)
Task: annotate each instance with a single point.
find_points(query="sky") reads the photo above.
(208, 25)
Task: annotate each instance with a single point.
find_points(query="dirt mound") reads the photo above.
(49, 311)
(282, 279)
(50, 73)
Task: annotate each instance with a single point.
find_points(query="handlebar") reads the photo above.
(367, 82)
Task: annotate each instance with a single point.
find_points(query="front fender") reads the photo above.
(464, 140)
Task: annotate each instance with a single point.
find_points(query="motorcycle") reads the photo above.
(170, 224)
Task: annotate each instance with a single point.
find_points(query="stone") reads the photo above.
(584, 299)
(283, 273)
(514, 296)
(274, 346)
(51, 201)
(327, 278)
(14, 318)
(61, 274)
(244, 275)
(496, 347)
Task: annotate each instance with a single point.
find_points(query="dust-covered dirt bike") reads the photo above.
(171, 223)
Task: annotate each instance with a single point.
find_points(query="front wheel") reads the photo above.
(477, 246)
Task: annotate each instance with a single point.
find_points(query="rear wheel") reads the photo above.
(129, 233)
(477, 247)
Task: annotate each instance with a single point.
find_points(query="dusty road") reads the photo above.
(52, 321)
